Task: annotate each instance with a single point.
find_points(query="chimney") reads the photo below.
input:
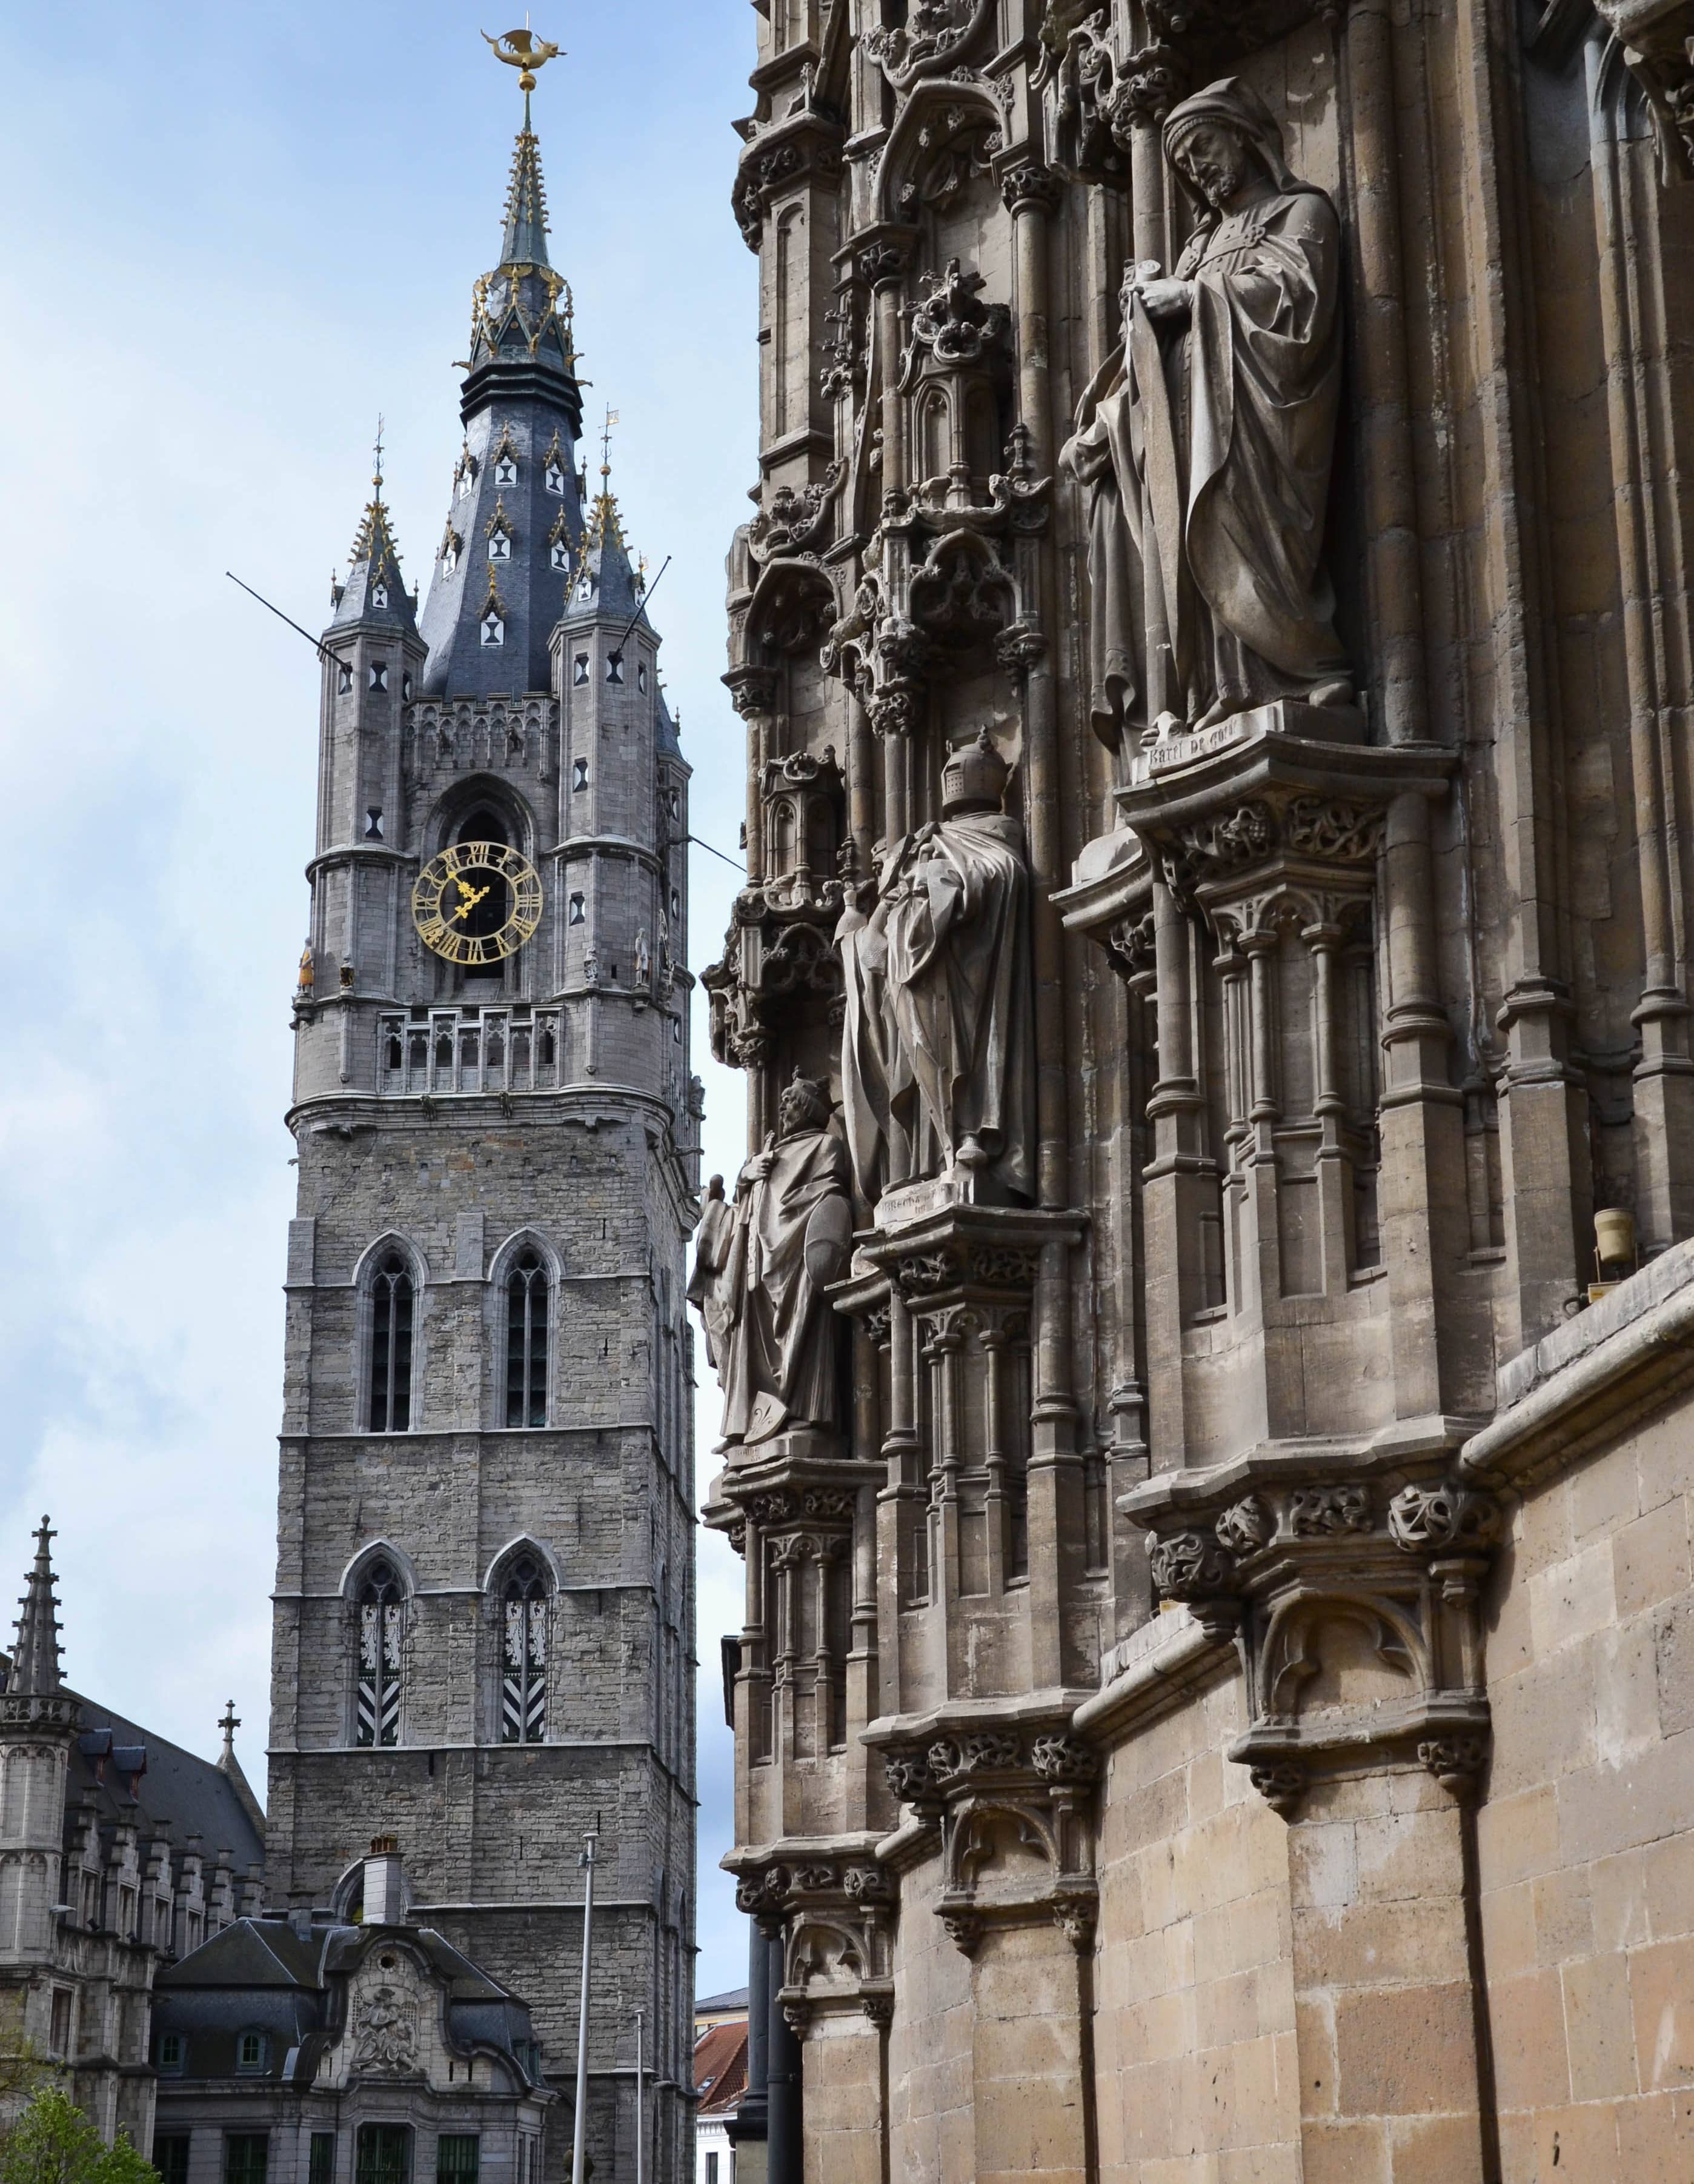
(384, 1884)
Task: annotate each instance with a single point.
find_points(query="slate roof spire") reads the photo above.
(34, 1656)
(374, 590)
(526, 236)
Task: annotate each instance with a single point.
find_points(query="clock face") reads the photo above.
(478, 902)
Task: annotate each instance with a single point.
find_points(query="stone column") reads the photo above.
(784, 2081)
(1173, 1182)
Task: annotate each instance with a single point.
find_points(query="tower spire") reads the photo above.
(34, 1656)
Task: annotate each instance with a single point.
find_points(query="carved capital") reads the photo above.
(1456, 1763)
(1444, 1520)
(1281, 1784)
(1031, 188)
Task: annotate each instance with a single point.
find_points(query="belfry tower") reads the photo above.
(484, 1619)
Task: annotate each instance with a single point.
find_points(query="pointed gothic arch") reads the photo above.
(380, 1588)
(390, 1280)
(522, 1587)
(522, 1324)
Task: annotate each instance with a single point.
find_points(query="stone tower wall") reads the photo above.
(460, 1119)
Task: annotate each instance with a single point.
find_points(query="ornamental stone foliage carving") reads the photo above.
(792, 519)
(1013, 1805)
(802, 148)
(833, 1912)
(935, 36)
(1326, 1580)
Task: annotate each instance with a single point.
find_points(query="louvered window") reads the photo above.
(381, 1610)
(390, 1406)
(526, 1343)
(523, 1679)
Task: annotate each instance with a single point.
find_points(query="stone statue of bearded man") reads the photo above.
(1204, 443)
(761, 1265)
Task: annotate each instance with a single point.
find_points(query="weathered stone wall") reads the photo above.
(1194, 2050)
(1585, 1844)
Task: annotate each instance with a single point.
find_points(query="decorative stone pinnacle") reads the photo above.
(34, 1656)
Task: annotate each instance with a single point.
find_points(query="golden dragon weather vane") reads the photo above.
(522, 49)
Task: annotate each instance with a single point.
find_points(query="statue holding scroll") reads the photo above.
(1204, 443)
(761, 1265)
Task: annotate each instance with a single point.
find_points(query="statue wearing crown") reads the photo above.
(762, 1262)
(938, 1064)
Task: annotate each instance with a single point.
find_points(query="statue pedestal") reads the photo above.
(1287, 716)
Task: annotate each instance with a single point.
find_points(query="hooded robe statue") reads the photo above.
(1205, 446)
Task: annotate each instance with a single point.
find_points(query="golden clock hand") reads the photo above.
(472, 897)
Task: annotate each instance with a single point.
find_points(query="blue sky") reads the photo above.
(231, 238)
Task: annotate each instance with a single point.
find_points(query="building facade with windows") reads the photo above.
(119, 1853)
(484, 1609)
(291, 2052)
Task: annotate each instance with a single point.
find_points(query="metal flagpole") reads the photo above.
(640, 2118)
(587, 1861)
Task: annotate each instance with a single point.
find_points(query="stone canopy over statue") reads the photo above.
(938, 1066)
(1204, 443)
(762, 1263)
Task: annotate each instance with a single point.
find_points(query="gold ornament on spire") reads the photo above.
(522, 49)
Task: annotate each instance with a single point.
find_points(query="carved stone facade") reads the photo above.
(1215, 653)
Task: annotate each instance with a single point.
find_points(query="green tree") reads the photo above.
(53, 2143)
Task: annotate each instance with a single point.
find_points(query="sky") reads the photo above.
(231, 238)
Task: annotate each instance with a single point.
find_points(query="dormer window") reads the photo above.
(493, 628)
(172, 2054)
(553, 478)
(379, 594)
(613, 667)
(585, 590)
(465, 472)
(505, 471)
(579, 774)
(561, 555)
(499, 546)
(451, 544)
(579, 670)
(250, 2056)
(379, 674)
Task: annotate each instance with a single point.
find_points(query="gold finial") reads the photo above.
(376, 479)
(605, 444)
(522, 49)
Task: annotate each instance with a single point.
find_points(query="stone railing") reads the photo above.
(514, 1049)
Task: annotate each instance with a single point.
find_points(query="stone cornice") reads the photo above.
(1619, 1363)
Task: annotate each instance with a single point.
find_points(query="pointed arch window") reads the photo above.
(392, 1300)
(527, 1317)
(381, 1612)
(561, 555)
(523, 1654)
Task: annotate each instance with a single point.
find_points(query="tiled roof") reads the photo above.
(720, 2067)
